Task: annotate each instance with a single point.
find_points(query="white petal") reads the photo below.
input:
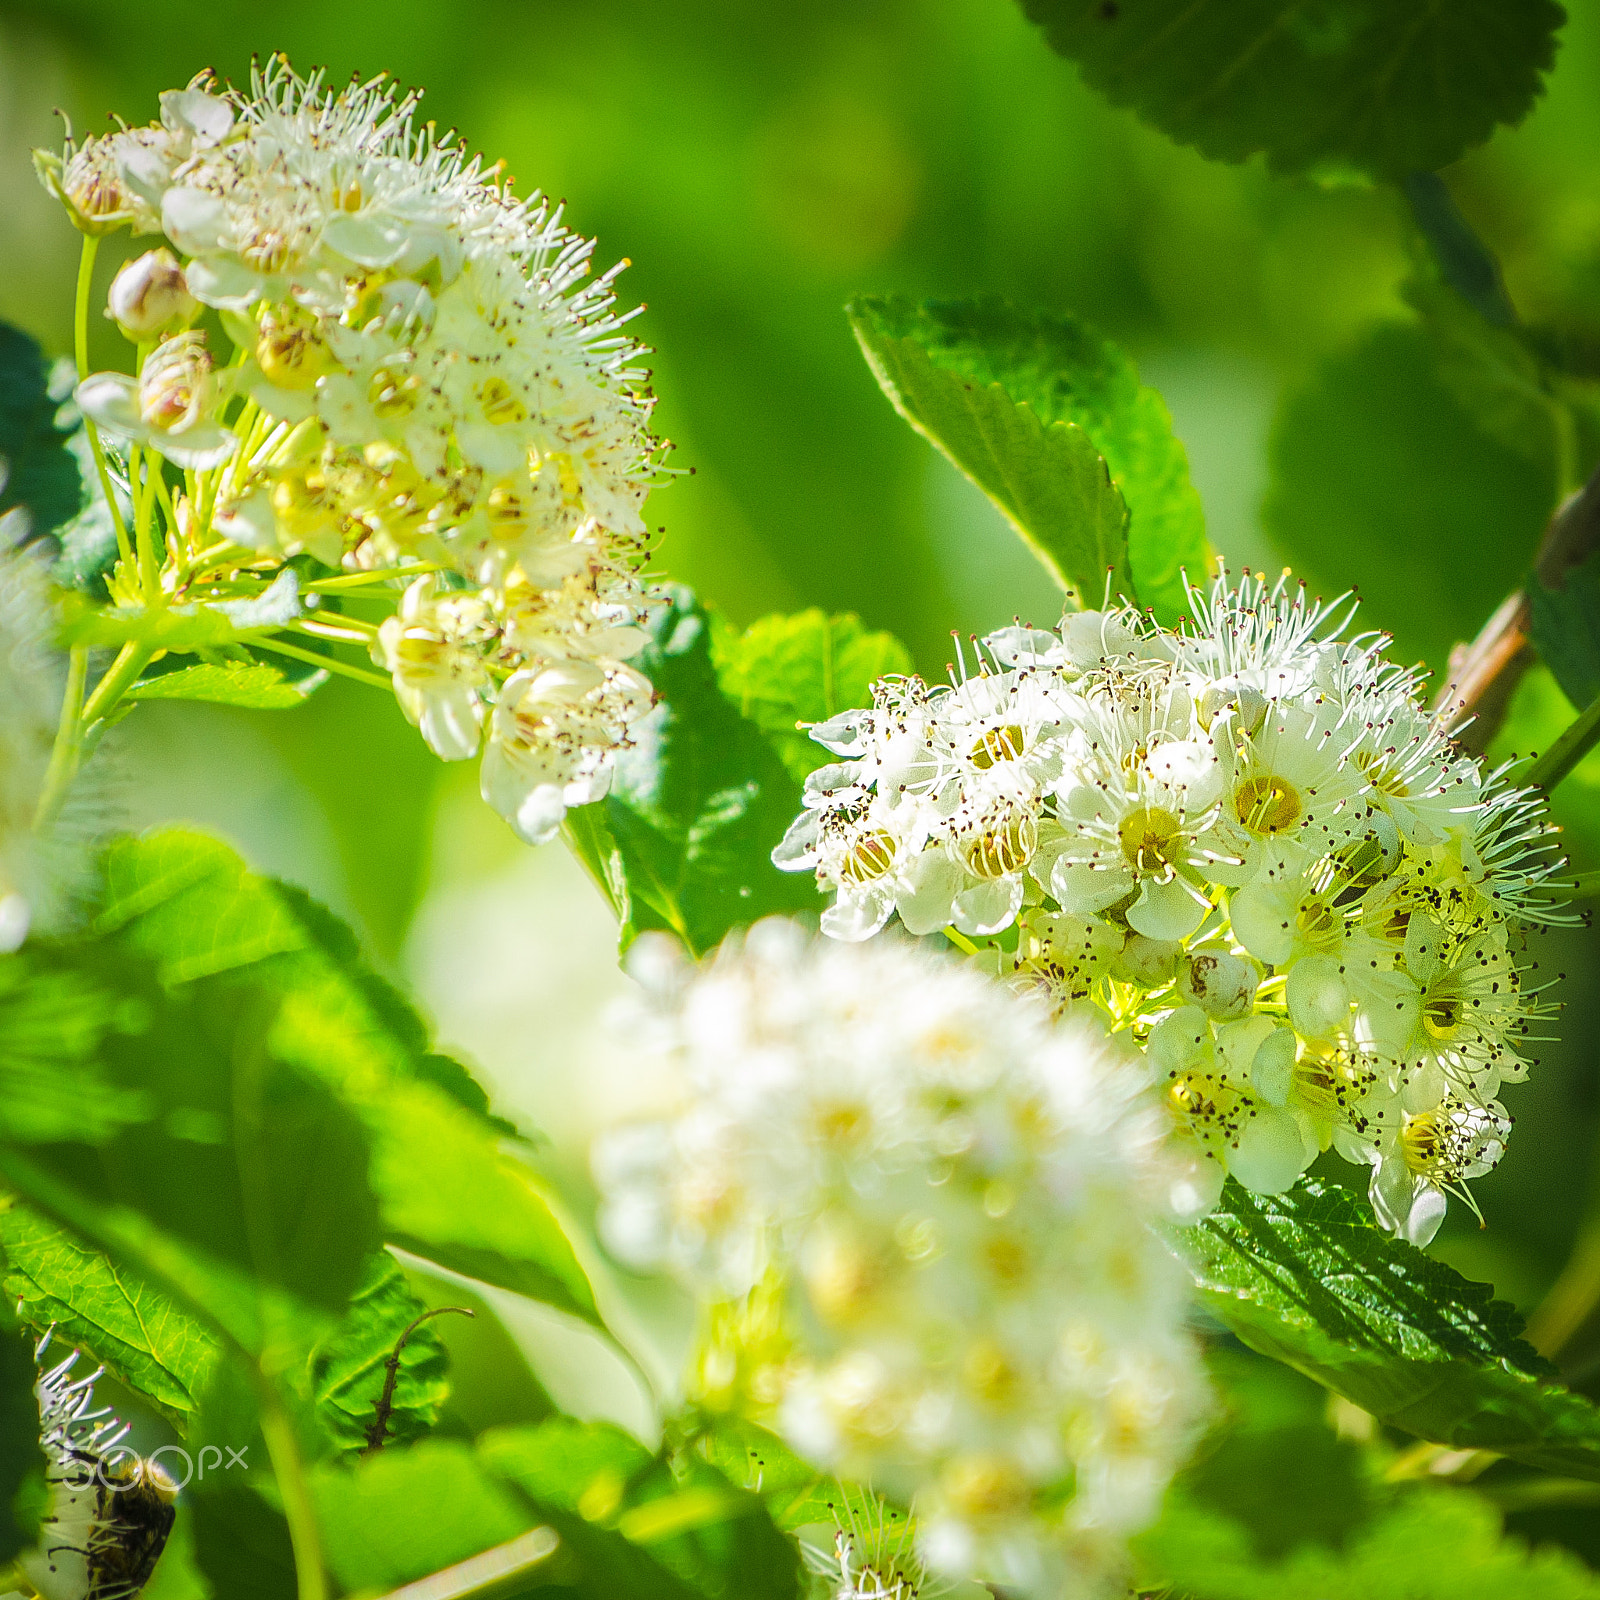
(205, 445)
(858, 913)
(1270, 1154)
(926, 902)
(196, 222)
(111, 400)
(1166, 910)
(450, 722)
(368, 241)
(987, 908)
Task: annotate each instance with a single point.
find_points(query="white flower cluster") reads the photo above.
(419, 378)
(109, 1512)
(932, 1211)
(1246, 845)
(42, 864)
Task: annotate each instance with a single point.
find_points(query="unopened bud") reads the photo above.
(1221, 985)
(149, 296)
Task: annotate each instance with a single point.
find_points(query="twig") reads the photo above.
(379, 1428)
(1484, 675)
(508, 1560)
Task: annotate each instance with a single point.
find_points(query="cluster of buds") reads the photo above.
(922, 1219)
(422, 384)
(1245, 845)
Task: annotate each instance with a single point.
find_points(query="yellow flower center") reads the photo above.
(1004, 848)
(1267, 804)
(869, 857)
(998, 744)
(1149, 837)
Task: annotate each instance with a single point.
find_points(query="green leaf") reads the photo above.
(684, 1528)
(793, 1491)
(21, 1460)
(1565, 626)
(684, 840)
(349, 1369)
(139, 1334)
(1043, 471)
(37, 471)
(1383, 87)
(401, 1515)
(786, 670)
(1064, 376)
(1381, 480)
(1306, 1278)
(52, 1023)
(445, 1184)
(242, 1544)
(1434, 1544)
(254, 686)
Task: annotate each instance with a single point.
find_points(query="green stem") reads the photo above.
(298, 1510)
(69, 733)
(961, 941)
(357, 579)
(131, 660)
(80, 339)
(327, 663)
(1568, 750)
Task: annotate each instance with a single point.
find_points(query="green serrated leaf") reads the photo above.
(1045, 473)
(1306, 1277)
(37, 470)
(254, 687)
(1382, 87)
(782, 671)
(1380, 481)
(684, 840)
(349, 1369)
(141, 1336)
(401, 1515)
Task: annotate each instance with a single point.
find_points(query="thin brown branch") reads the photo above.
(1484, 675)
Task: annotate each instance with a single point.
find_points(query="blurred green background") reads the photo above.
(759, 165)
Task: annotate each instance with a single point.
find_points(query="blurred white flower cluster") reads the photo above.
(1245, 845)
(927, 1214)
(44, 862)
(419, 377)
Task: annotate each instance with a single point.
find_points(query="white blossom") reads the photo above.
(929, 1214)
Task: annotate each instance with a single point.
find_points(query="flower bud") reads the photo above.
(1147, 962)
(176, 386)
(149, 295)
(1221, 985)
(1317, 997)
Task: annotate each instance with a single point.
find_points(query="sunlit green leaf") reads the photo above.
(684, 840)
(1380, 86)
(106, 1310)
(786, 670)
(1307, 1278)
(253, 686)
(995, 391)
